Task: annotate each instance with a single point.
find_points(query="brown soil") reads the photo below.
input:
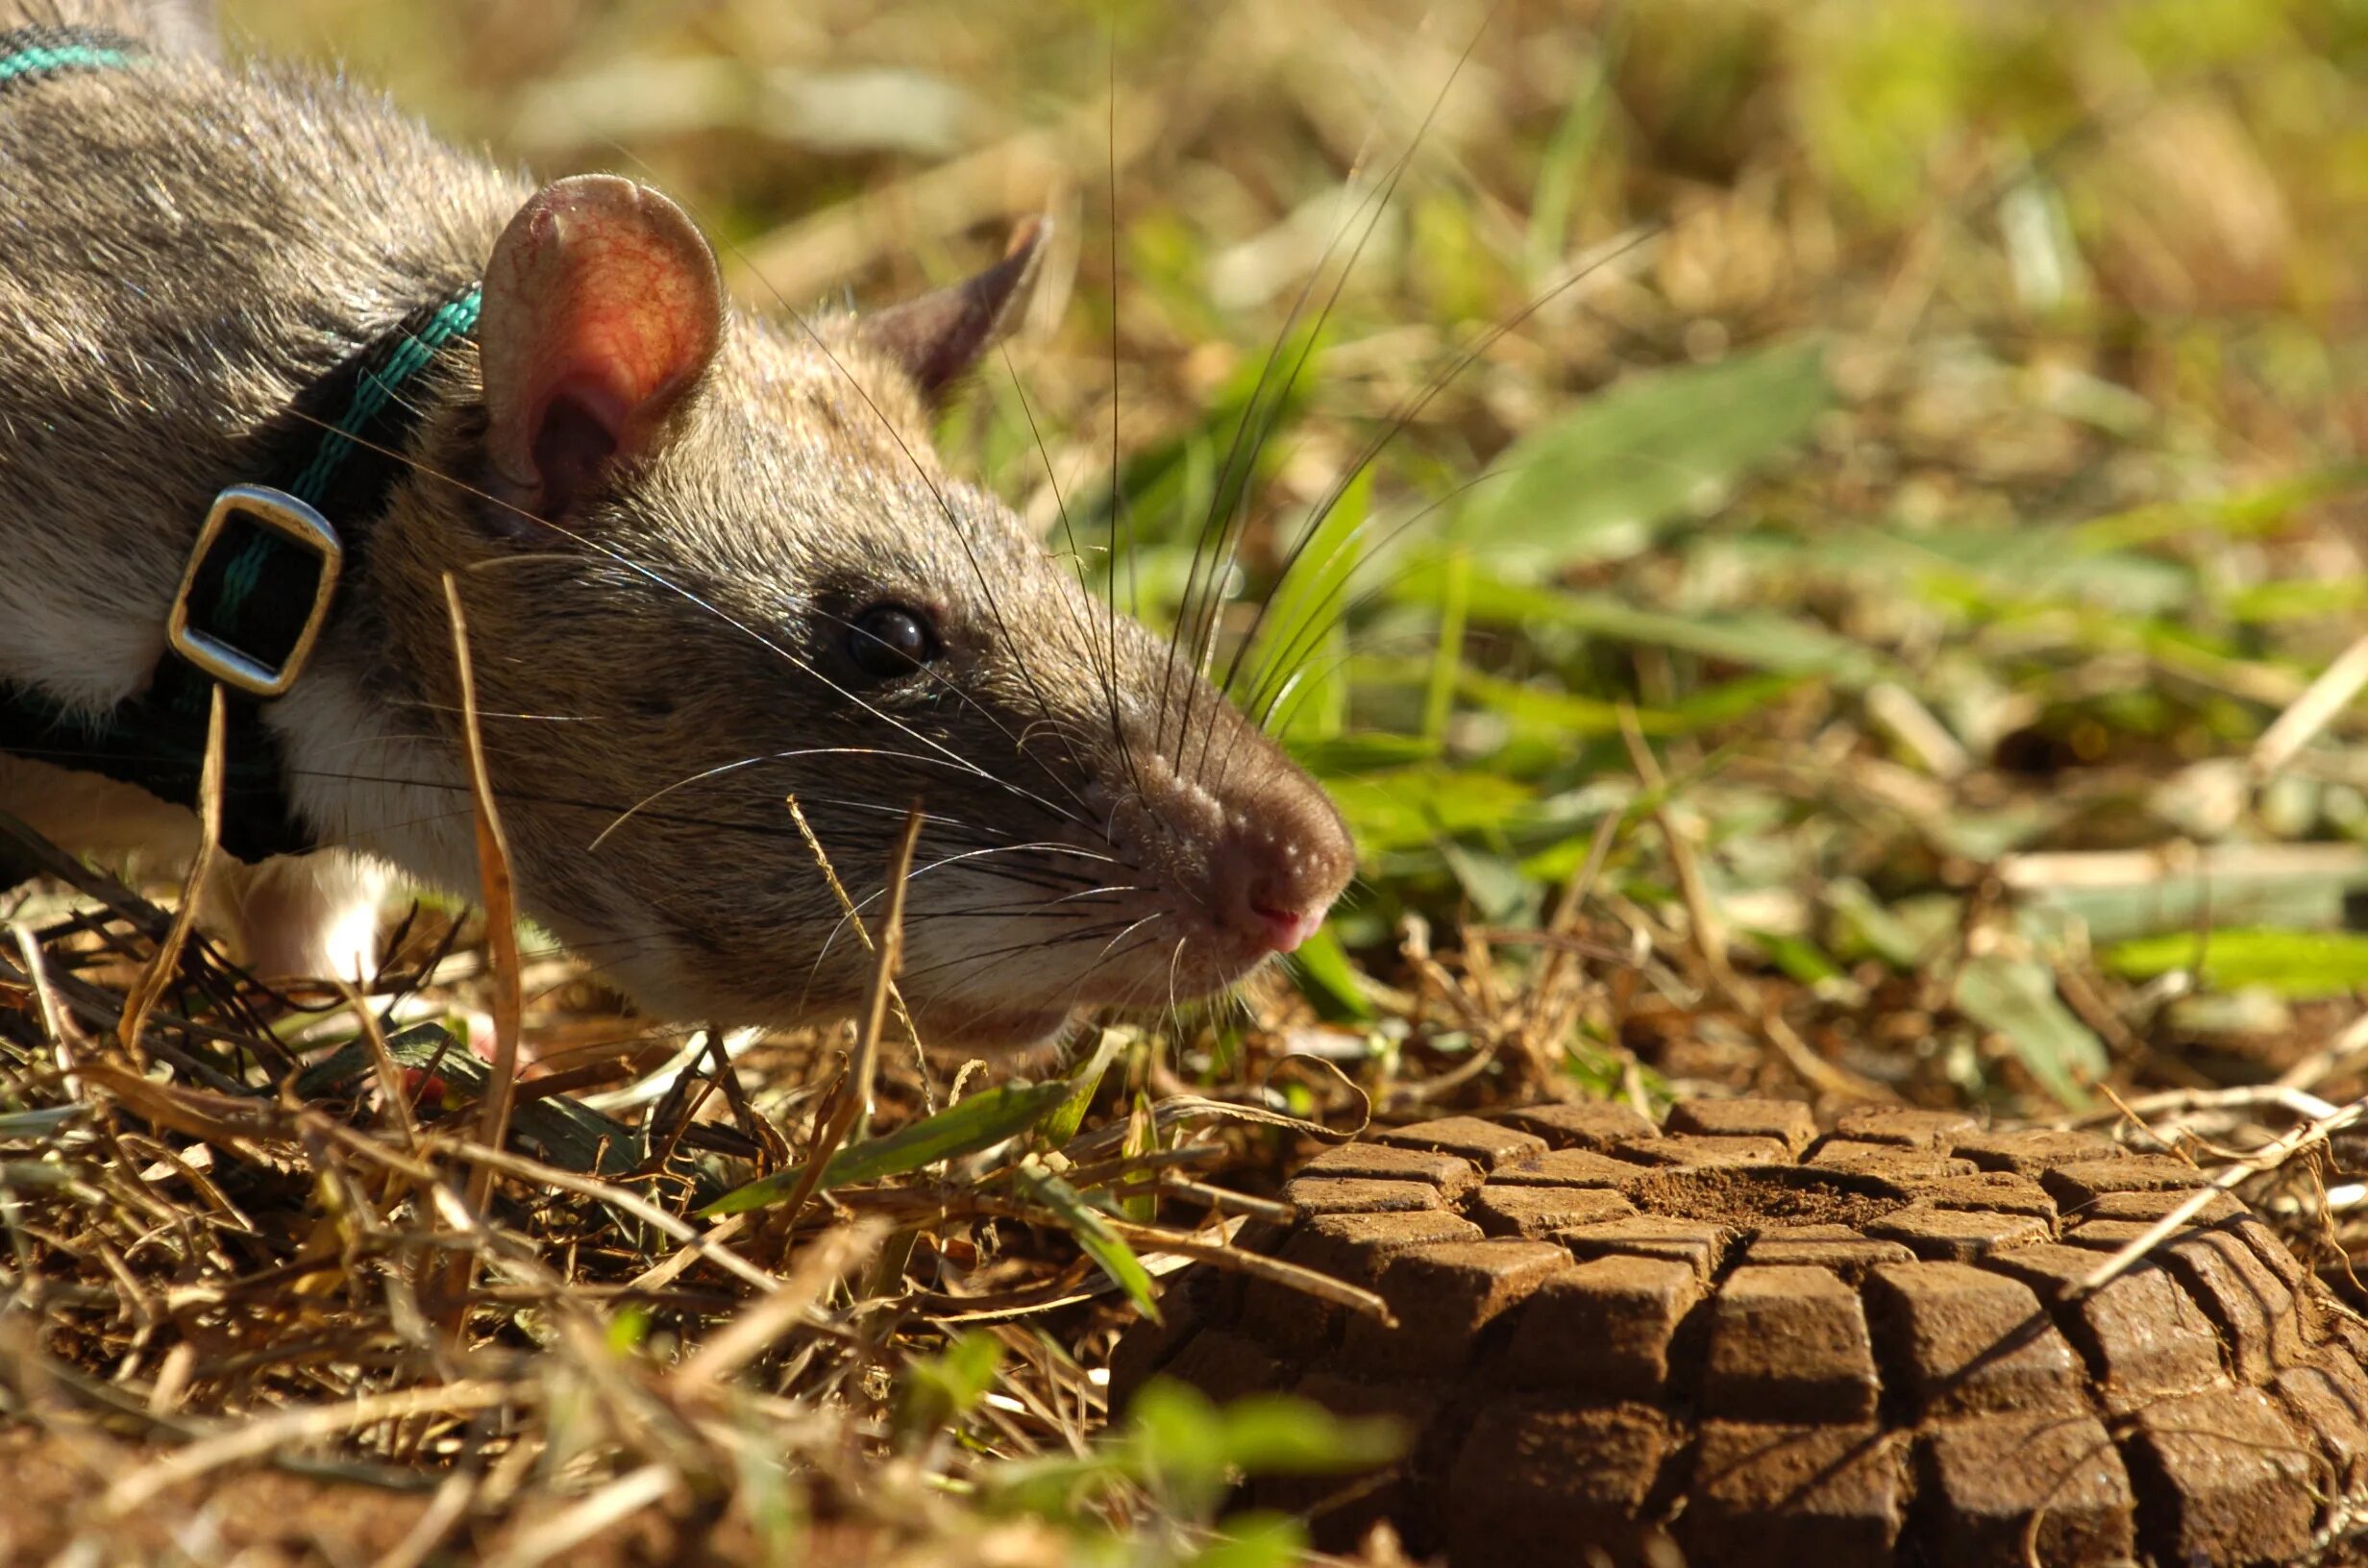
(56, 1511)
(1760, 1346)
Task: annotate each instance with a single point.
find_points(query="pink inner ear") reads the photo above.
(602, 307)
(572, 441)
(625, 340)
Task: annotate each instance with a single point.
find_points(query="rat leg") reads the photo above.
(304, 916)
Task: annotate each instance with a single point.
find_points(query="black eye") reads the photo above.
(889, 640)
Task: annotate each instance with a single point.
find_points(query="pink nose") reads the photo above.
(1285, 929)
(1276, 873)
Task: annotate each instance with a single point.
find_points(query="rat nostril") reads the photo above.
(1280, 858)
(1283, 928)
(1284, 890)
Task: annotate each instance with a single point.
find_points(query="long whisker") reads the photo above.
(847, 915)
(989, 955)
(1205, 637)
(1106, 668)
(1118, 487)
(1328, 611)
(661, 580)
(1409, 410)
(717, 771)
(919, 469)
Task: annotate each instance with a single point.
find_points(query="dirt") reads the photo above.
(261, 1518)
(1744, 1342)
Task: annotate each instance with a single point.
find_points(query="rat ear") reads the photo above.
(939, 338)
(602, 309)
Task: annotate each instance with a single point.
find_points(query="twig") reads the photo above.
(166, 965)
(854, 1096)
(620, 1500)
(2267, 1158)
(745, 1336)
(534, 1171)
(863, 934)
(53, 1019)
(1257, 1265)
(443, 1511)
(103, 1009)
(2338, 1056)
(501, 945)
(266, 1434)
(398, 1105)
(2309, 713)
(1710, 941)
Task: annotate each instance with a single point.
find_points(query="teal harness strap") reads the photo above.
(254, 590)
(376, 383)
(33, 54)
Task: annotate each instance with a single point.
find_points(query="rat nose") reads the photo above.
(1279, 871)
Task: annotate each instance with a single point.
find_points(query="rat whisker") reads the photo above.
(872, 898)
(721, 769)
(1205, 637)
(1108, 671)
(1413, 406)
(984, 956)
(661, 580)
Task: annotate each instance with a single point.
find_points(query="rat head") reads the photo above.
(715, 566)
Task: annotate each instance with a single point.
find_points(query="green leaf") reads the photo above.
(1093, 1234)
(1755, 639)
(1327, 979)
(1273, 1434)
(2016, 997)
(1296, 653)
(1541, 709)
(40, 1121)
(937, 1392)
(2301, 965)
(977, 1123)
(2300, 887)
(1601, 483)
(1188, 1450)
(1868, 923)
(1058, 1128)
(628, 1328)
(1414, 807)
(1499, 893)
(1573, 154)
(1141, 1138)
(1447, 657)
(1176, 1438)
(1799, 958)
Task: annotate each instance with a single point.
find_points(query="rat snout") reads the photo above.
(1275, 874)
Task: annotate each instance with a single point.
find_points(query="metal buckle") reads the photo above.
(292, 520)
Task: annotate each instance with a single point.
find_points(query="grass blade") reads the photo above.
(976, 1123)
(1092, 1234)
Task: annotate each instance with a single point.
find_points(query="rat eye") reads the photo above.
(890, 640)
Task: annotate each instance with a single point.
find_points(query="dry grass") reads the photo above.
(1911, 653)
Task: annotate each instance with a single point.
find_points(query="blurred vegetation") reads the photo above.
(1815, 543)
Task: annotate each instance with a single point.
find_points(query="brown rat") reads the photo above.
(708, 560)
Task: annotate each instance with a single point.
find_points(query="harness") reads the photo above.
(262, 579)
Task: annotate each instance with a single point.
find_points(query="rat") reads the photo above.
(275, 361)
